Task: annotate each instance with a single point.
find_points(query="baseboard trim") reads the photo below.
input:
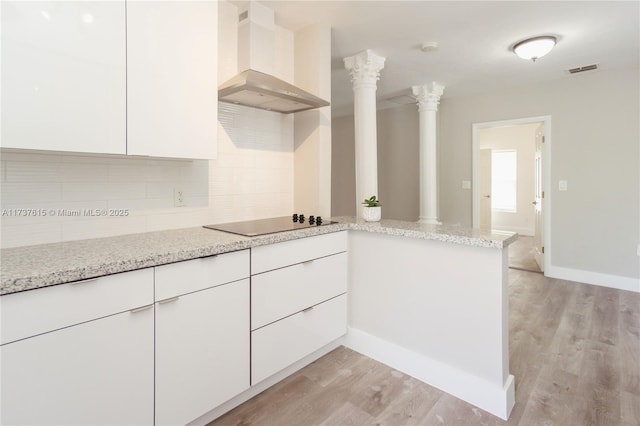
(525, 232)
(495, 399)
(595, 278)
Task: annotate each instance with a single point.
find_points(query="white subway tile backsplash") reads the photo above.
(197, 201)
(80, 191)
(103, 227)
(67, 186)
(16, 193)
(252, 178)
(127, 173)
(26, 235)
(136, 205)
(86, 173)
(32, 171)
(159, 190)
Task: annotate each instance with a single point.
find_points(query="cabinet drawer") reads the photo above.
(193, 275)
(282, 292)
(282, 343)
(273, 256)
(46, 309)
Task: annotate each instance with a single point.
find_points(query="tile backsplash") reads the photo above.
(52, 197)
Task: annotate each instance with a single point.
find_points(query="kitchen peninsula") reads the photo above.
(430, 301)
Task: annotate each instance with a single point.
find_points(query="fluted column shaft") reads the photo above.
(365, 71)
(427, 99)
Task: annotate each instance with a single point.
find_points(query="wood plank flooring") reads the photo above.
(521, 254)
(574, 352)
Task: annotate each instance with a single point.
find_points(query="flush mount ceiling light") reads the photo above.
(534, 48)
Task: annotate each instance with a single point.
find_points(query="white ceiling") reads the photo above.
(474, 37)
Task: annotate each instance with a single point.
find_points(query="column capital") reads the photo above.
(428, 96)
(364, 68)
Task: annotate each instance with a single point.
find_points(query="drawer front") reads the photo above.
(197, 274)
(274, 256)
(282, 343)
(39, 311)
(282, 292)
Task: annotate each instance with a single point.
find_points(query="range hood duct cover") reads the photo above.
(259, 90)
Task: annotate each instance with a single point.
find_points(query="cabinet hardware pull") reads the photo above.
(90, 280)
(306, 262)
(308, 309)
(171, 299)
(208, 257)
(141, 308)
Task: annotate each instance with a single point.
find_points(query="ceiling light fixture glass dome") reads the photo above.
(534, 48)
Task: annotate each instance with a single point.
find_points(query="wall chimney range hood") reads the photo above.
(259, 90)
(257, 86)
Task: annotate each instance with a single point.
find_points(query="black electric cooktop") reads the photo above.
(272, 225)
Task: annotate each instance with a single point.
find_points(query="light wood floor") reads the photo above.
(574, 352)
(521, 254)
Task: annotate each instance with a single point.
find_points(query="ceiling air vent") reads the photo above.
(583, 69)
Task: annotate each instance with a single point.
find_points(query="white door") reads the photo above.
(485, 188)
(538, 202)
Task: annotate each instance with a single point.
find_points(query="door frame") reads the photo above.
(546, 173)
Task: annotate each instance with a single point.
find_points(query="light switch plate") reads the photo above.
(466, 184)
(562, 185)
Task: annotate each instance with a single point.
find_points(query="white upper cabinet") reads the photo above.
(111, 77)
(172, 78)
(64, 76)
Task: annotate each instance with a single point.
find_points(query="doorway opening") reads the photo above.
(510, 178)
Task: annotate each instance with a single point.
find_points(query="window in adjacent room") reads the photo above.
(504, 172)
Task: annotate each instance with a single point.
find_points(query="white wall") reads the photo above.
(522, 139)
(595, 225)
(313, 128)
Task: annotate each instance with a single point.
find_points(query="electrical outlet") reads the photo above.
(562, 185)
(638, 250)
(178, 197)
(466, 184)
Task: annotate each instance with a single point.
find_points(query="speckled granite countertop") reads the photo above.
(31, 267)
(445, 233)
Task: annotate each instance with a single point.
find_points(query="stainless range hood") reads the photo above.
(259, 90)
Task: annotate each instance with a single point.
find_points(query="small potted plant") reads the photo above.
(372, 212)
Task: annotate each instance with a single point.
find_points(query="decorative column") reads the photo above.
(365, 71)
(428, 98)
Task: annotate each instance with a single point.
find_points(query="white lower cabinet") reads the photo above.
(96, 373)
(298, 300)
(282, 343)
(167, 345)
(79, 353)
(202, 337)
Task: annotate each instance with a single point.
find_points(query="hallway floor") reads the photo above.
(521, 254)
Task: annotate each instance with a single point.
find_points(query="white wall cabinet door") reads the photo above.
(172, 78)
(63, 76)
(202, 351)
(98, 372)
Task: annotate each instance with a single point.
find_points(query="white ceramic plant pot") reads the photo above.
(372, 214)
